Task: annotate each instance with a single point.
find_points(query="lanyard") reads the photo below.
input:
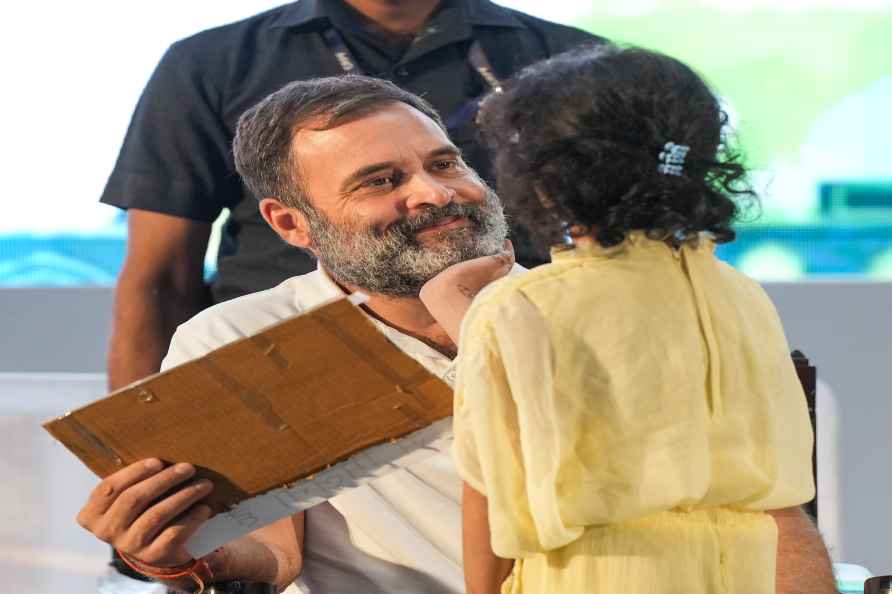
(476, 56)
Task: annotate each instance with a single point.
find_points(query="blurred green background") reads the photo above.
(809, 87)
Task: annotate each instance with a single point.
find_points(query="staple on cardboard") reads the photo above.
(146, 395)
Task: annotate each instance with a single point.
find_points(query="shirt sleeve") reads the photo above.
(175, 158)
(185, 346)
(506, 430)
(561, 38)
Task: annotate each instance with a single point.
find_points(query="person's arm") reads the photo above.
(449, 294)
(803, 564)
(272, 554)
(148, 512)
(160, 286)
(484, 570)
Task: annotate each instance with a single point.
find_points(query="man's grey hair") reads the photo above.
(263, 139)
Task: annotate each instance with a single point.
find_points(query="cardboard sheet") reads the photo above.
(264, 412)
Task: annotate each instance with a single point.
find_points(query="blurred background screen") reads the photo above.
(808, 84)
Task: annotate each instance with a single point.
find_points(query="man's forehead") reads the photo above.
(390, 128)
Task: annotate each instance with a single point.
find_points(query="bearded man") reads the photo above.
(363, 176)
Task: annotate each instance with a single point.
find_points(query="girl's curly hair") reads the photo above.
(577, 139)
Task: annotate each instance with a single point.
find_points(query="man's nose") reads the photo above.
(428, 191)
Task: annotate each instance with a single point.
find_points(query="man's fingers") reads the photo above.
(137, 498)
(162, 514)
(174, 537)
(107, 491)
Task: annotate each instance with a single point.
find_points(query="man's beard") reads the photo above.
(394, 262)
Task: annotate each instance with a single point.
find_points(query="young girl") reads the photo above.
(625, 415)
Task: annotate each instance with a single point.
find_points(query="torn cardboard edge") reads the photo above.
(368, 465)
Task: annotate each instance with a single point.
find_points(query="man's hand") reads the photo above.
(449, 294)
(470, 276)
(148, 511)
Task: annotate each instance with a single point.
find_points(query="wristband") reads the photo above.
(190, 569)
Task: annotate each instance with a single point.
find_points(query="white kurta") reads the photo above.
(398, 534)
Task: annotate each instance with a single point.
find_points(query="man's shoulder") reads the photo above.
(558, 37)
(235, 34)
(245, 316)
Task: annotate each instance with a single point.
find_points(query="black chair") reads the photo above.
(808, 378)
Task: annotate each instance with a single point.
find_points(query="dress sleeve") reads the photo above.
(176, 158)
(506, 429)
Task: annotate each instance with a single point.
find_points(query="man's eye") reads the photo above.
(379, 182)
(446, 165)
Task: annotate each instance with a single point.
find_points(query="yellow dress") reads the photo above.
(630, 413)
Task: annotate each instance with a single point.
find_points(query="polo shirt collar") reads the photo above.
(477, 12)
(302, 13)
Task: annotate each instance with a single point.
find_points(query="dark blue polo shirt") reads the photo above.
(177, 160)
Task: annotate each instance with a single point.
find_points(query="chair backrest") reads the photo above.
(808, 378)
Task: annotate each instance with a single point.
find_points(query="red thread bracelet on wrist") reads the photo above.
(189, 569)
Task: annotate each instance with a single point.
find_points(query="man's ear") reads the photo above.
(287, 221)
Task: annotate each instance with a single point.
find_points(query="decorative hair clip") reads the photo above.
(571, 231)
(672, 158)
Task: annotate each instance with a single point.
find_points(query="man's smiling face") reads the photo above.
(393, 202)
